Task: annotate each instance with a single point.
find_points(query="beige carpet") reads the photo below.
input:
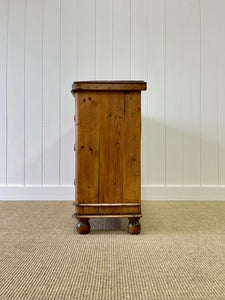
(180, 253)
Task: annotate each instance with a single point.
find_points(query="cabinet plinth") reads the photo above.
(107, 150)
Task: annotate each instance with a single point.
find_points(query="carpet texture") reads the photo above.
(180, 253)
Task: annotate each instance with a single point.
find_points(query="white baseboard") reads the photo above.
(41, 193)
(207, 193)
(44, 193)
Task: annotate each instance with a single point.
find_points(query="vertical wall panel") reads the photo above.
(139, 40)
(156, 91)
(51, 83)
(86, 40)
(69, 14)
(174, 101)
(121, 40)
(191, 92)
(177, 46)
(221, 93)
(3, 90)
(209, 92)
(15, 93)
(33, 93)
(139, 68)
(104, 41)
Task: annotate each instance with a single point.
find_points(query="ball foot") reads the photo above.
(134, 227)
(83, 226)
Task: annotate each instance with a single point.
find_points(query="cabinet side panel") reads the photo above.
(131, 155)
(87, 151)
(111, 150)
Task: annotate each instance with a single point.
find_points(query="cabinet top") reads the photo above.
(108, 86)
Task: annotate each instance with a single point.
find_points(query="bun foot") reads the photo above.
(134, 227)
(83, 226)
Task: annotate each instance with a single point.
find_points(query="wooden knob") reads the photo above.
(74, 182)
(74, 147)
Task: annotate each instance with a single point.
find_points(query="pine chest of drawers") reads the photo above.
(107, 151)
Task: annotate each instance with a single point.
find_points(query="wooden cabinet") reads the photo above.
(107, 151)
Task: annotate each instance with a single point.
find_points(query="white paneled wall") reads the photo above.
(177, 46)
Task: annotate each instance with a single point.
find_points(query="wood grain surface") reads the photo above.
(108, 147)
(87, 151)
(109, 85)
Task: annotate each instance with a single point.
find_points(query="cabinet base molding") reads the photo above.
(106, 204)
(108, 216)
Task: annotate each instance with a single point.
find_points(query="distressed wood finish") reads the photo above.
(87, 151)
(108, 86)
(107, 151)
(131, 155)
(111, 151)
